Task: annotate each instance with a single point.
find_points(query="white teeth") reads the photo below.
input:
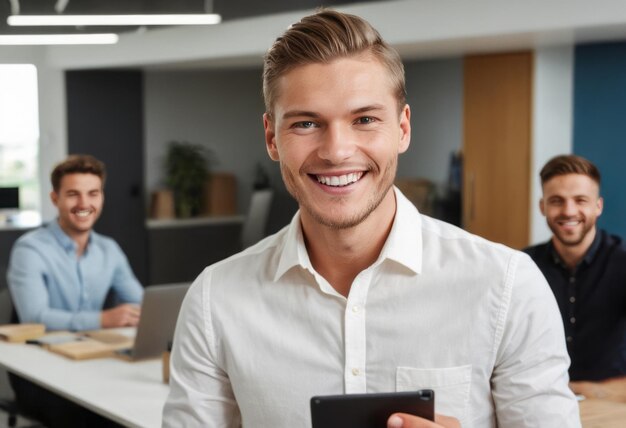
(339, 180)
(83, 213)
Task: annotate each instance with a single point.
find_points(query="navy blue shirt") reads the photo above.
(592, 301)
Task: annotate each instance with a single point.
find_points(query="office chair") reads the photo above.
(255, 224)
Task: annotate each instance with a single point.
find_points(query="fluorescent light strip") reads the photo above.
(59, 39)
(85, 20)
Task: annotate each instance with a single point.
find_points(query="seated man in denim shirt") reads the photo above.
(60, 274)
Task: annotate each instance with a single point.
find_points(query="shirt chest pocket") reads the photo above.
(451, 386)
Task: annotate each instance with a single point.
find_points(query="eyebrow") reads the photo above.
(300, 113)
(365, 109)
(305, 113)
(582, 195)
(79, 191)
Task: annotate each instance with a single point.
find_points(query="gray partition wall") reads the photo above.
(105, 119)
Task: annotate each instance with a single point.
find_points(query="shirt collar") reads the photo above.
(62, 238)
(403, 245)
(593, 249)
(294, 251)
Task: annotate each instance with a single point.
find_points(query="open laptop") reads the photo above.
(159, 312)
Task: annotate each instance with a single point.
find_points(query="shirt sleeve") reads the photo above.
(127, 288)
(200, 391)
(29, 293)
(530, 379)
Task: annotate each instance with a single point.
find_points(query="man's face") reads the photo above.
(571, 204)
(79, 202)
(337, 132)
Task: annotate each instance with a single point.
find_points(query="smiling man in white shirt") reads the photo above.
(361, 293)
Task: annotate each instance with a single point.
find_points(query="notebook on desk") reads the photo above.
(159, 312)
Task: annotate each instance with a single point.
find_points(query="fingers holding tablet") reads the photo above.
(403, 420)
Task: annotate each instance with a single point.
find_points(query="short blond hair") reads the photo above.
(322, 38)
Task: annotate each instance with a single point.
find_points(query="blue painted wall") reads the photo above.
(600, 123)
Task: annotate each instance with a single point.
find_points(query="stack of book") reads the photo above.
(20, 333)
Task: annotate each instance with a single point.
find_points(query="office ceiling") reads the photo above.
(228, 9)
(417, 28)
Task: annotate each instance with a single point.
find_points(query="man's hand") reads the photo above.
(402, 420)
(125, 315)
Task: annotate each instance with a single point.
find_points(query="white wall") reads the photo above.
(52, 132)
(552, 122)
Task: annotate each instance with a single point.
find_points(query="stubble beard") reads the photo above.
(77, 227)
(571, 240)
(374, 200)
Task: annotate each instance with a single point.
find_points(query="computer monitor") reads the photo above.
(9, 198)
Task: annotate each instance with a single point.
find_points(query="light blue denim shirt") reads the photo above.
(50, 285)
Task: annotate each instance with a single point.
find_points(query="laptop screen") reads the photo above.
(159, 312)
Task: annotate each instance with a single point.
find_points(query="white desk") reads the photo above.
(131, 394)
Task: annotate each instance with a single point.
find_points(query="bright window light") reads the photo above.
(19, 131)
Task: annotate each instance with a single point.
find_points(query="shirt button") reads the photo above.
(572, 299)
(572, 320)
(355, 309)
(356, 371)
(570, 339)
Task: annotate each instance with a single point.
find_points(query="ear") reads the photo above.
(600, 205)
(54, 197)
(270, 137)
(405, 129)
(542, 207)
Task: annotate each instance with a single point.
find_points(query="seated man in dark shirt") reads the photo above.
(585, 267)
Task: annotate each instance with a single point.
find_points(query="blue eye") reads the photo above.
(306, 124)
(365, 120)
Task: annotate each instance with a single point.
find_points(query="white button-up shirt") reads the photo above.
(262, 332)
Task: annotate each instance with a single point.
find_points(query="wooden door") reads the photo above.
(496, 146)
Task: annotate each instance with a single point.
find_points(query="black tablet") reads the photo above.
(369, 410)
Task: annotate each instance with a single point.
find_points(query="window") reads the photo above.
(19, 132)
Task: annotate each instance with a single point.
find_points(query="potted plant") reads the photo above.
(187, 168)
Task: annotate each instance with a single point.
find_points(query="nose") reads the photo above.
(337, 144)
(569, 208)
(82, 200)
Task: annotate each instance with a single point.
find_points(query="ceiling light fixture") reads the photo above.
(114, 20)
(59, 39)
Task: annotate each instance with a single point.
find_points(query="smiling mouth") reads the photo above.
(82, 213)
(339, 180)
(568, 224)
